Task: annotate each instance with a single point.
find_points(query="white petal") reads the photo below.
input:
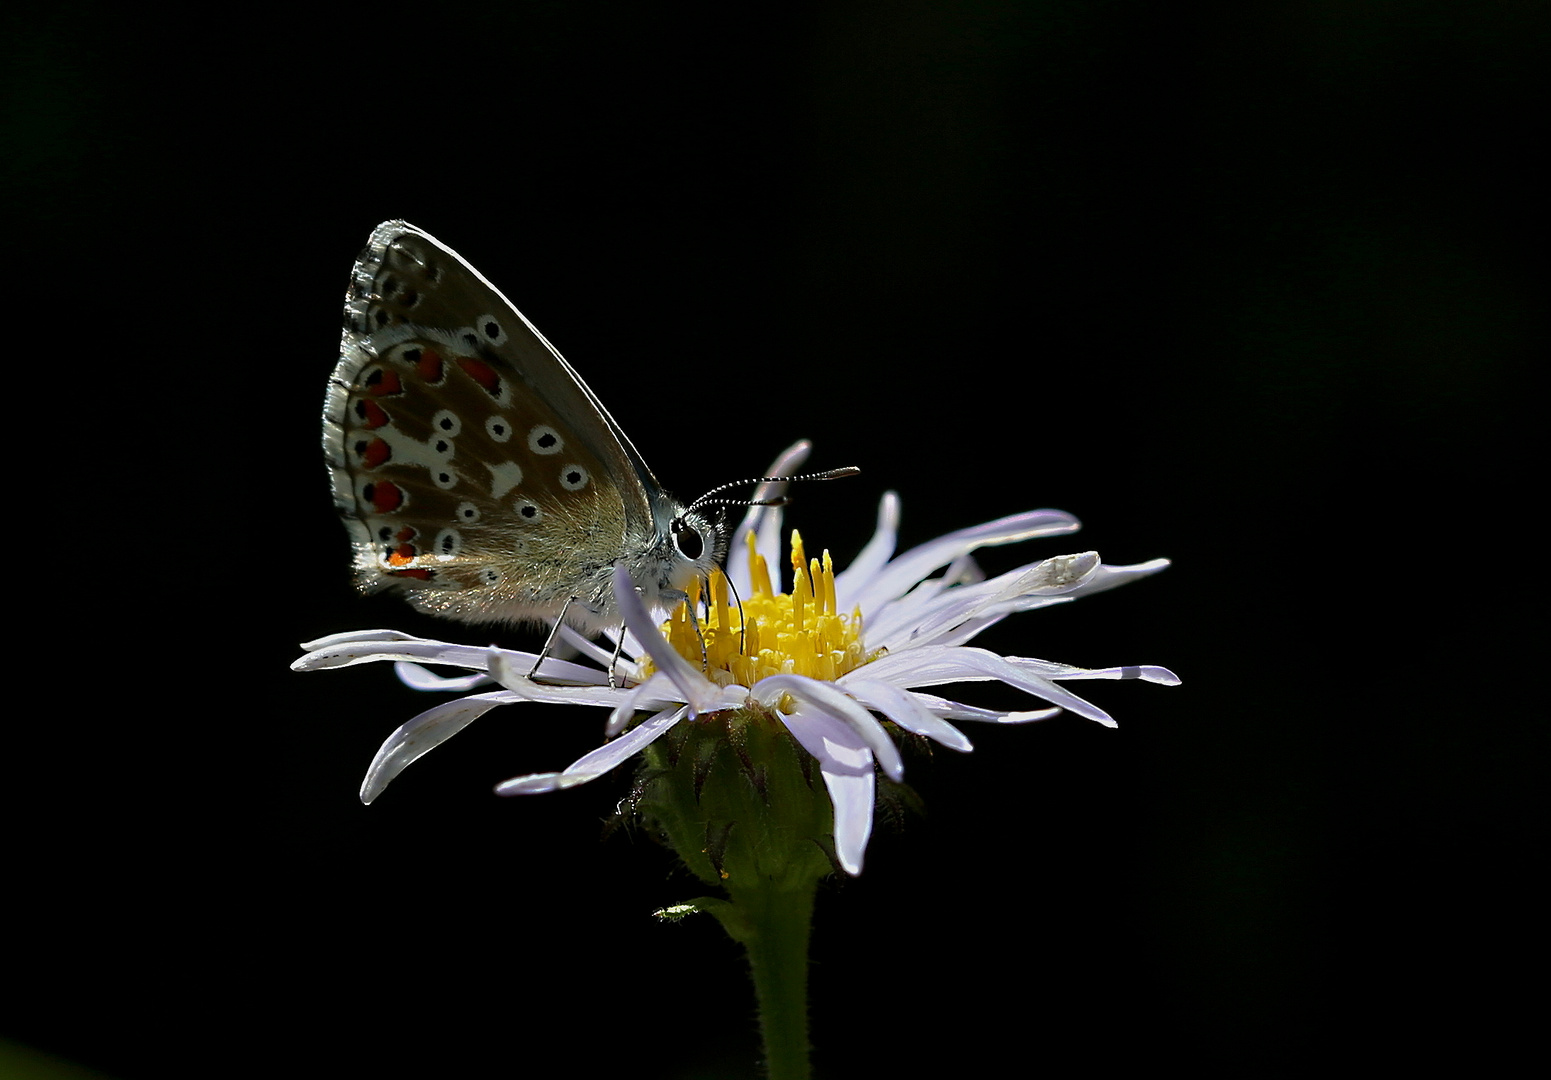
(510, 669)
(626, 671)
(935, 664)
(532, 784)
(659, 692)
(1145, 672)
(846, 765)
(967, 631)
(912, 623)
(873, 557)
(1102, 577)
(828, 698)
(913, 566)
(906, 710)
(424, 733)
(827, 737)
(345, 650)
(956, 710)
(593, 765)
(524, 689)
(636, 699)
(764, 521)
(418, 678)
(852, 795)
(700, 693)
(329, 640)
(1110, 576)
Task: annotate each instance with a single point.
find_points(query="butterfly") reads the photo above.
(476, 472)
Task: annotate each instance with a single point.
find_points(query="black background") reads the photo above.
(1247, 285)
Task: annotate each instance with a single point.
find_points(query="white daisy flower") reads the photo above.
(836, 660)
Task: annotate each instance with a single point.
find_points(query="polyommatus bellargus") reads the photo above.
(474, 469)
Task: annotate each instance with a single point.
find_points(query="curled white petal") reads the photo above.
(935, 664)
(914, 622)
(418, 678)
(700, 693)
(904, 572)
(625, 668)
(1108, 577)
(594, 764)
(329, 640)
(764, 521)
(956, 710)
(511, 671)
(659, 692)
(905, 709)
(532, 784)
(346, 650)
(659, 687)
(424, 733)
(827, 698)
(846, 764)
(873, 557)
(851, 794)
(1145, 672)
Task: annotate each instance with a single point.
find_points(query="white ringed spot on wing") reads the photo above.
(573, 477)
(543, 439)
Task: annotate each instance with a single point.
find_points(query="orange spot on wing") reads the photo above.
(480, 372)
(385, 496)
(383, 383)
(372, 415)
(420, 575)
(429, 366)
(377, 451)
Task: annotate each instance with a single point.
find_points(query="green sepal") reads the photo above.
(739, 801)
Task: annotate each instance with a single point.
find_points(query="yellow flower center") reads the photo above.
(743, 640)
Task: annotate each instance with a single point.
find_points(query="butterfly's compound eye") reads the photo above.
(687, 539)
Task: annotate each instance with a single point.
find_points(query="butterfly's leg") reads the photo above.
(549, 642)
(705, 655)
(619, 646)
(743, 623)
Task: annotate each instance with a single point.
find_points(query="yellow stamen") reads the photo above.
(759, 572)
(802, 594)
(719, 601)
(769, 633)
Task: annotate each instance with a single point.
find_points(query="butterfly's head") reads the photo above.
(690, 543)
(692, 540)
(700, 538)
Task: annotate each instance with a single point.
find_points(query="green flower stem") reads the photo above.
(773, 927)
(743, 806)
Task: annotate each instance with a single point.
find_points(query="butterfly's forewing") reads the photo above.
(473, 467)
